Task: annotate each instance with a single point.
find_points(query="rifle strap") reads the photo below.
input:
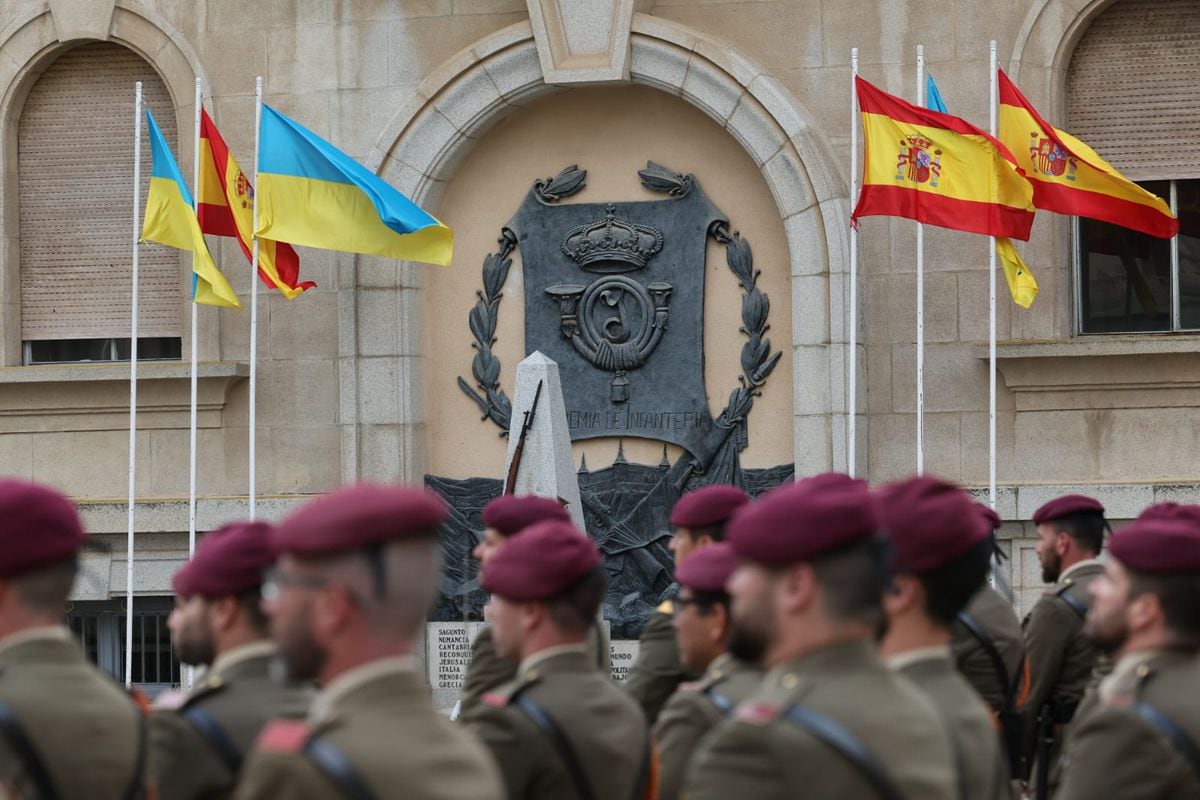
(1007, 685)
(561, 744)
(722, 703)
(1183, 743)
(334, 764)
(1072, 601)
(25, 751)
(215, 736)
(848, 746)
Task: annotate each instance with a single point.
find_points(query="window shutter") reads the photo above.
(1132, 88)
(75, 174)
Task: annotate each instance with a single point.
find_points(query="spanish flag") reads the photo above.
(1068, 177)
(171, 220)
(227, 209)
(938, 169)
(310, 193)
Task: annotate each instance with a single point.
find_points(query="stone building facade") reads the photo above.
(463, 104)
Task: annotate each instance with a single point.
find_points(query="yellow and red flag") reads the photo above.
(1068, 177)
(938, 169)
(226, 208)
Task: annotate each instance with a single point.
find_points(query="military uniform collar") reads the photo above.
(349, 682)
(721, 666)
(900, 661)
(532, 664)
(1130, 668)
(43, 633)
(242, 654)
(1078, 567)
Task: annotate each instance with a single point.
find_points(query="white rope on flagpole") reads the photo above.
(994, 95)
(920, 294)
(258, 94)
(190, 673)
(133, 357)
(852, 394)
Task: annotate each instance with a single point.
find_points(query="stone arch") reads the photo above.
(1043, 48)
(425, 142)
(28, 45)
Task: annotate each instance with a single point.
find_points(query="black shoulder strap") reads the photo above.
(639, 788)
(137, 783)
(848, 746)
(338, 768)
(1183, 743)
(211, 732)
(559, 740)
(1079, 608)
(989, 646)
(26, 753)
(723, 703)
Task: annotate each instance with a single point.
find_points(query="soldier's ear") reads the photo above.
(798, 587)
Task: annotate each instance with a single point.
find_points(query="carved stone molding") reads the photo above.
(582, 41)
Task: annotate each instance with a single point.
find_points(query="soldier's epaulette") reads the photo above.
(504, 695)
(286, 736)
(756, 713)
(666, 607)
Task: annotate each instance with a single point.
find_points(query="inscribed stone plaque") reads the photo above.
(449, 647)
(623, 652)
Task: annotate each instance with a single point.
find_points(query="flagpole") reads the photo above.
(133, 350)
(258, 93)
(992, 301)
(852, 399)
(920, 294)
(195, 338)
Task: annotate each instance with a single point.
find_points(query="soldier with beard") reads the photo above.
(830, 719)
(199, 739)
(358, 572)
(1061, 659)
(1142, 741)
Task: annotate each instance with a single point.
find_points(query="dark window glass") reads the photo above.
(59, 351)
(1188, 202)
(100, 627)
(1125, 276)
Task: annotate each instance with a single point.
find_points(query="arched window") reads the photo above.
(1132, 95)
(75, 179)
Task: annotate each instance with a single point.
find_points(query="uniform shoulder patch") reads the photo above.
(496, 699)
(756, 713)
(170, 701)
(283, 736)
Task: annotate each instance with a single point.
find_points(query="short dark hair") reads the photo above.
(853, 579)
(251, 605)
(714, 532)
(575, 609)
(1177, 596)
(951, 586)
(1086, 528)
(706, 601)
(45, 590)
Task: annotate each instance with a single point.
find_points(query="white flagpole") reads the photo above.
(852, 398)
(133, 350)
(992, 302)
(258, 93)
(920, 294)
(195, 346)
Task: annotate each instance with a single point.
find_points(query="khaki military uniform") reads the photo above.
(693, 711)
(198, 739)
(996, 617)
(1115, 753)
(88, 734)
(599, 723)
(487, 671)
(379, 722)
(981, 766)
(761, 754)
(1061, 658)
(656, 673)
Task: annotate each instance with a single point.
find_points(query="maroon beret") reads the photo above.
(929, 522)
(801, 521)
(545, 560)
(1065, 506)
(990, 517)
(508, 514)
(356, 516)
(708, 506)
(707, 569)
(1188, 513)
(1163, 546)
(38, 527)
(229, 561)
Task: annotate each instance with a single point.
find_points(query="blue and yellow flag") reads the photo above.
(312, 194)
(171, 220)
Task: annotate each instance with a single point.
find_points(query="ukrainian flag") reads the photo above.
(310, 193)
(171, 220)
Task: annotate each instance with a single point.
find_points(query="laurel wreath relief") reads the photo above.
(757, 359)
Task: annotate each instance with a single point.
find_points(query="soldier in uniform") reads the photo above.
(830, 719)
(1142, 741)
(200, 738)
(67, 730)
(699, 519)
(702, 628)
(1061, 659)
(560, 730)
(357, 575)
(941, 549)
(989, 650)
